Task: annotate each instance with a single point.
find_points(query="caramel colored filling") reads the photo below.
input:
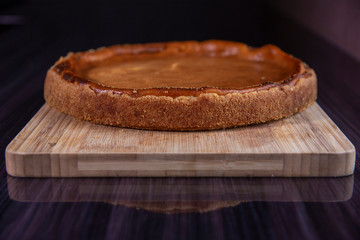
(186, 72)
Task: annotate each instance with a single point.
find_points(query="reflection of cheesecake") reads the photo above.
(173, 207)
(180, 85)
(179, 195)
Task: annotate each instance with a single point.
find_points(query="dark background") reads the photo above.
(35, 33)
(99, 23)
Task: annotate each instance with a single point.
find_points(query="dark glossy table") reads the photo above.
(176, 208)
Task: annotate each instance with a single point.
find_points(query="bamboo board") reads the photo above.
(53, 144)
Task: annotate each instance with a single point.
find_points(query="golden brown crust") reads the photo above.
(176, 109)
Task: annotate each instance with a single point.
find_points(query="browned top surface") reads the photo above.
(185, 72)
(180, 68)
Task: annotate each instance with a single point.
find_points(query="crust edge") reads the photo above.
(208, 111)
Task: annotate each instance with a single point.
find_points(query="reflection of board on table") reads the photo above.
(184, 189)
(179, 195)
(53, 144)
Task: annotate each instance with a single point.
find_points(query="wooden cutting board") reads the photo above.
(53, 144)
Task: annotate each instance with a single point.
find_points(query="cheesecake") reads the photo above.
(180, 86)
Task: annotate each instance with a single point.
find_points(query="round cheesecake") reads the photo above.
(180, 86)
